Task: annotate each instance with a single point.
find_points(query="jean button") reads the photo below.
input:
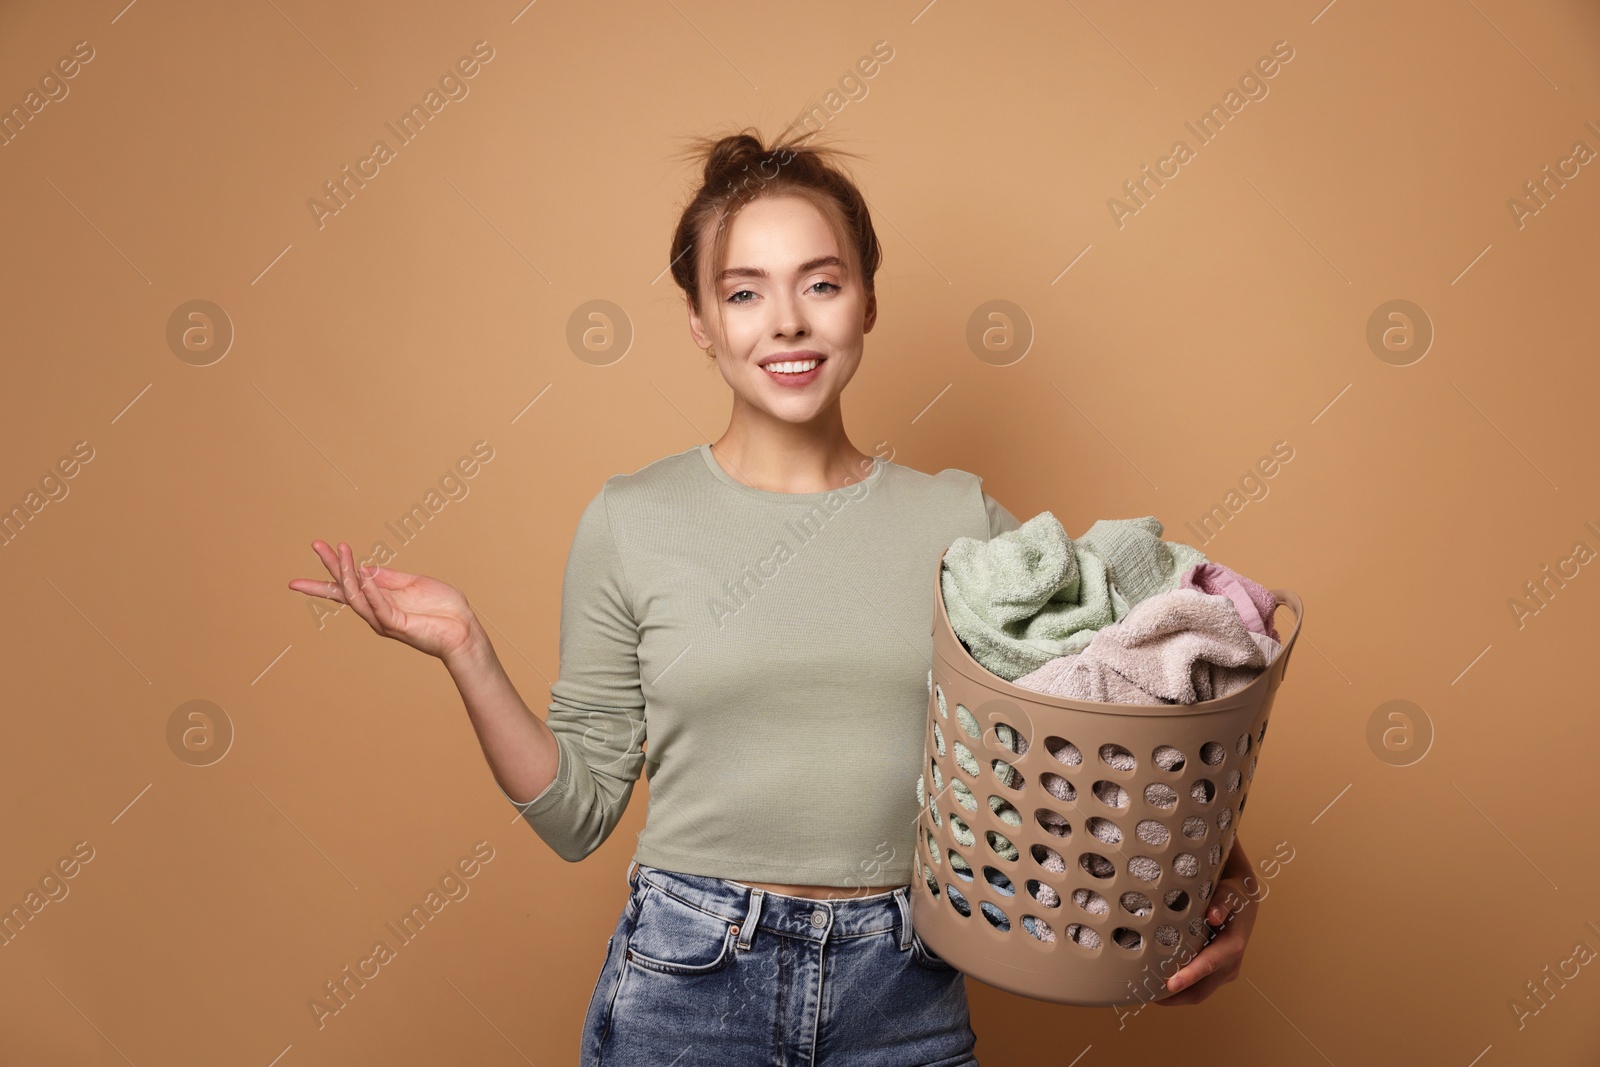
(819, 918)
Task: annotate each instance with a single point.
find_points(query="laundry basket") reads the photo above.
(1092, 834)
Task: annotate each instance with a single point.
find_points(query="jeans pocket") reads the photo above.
(672, 937)
(926, 956)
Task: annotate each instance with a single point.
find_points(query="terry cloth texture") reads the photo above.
(1178, 647)
(770, 646)
(1021, 599)
(1254, 601)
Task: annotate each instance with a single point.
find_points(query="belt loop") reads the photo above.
(905, 916)
(748, 927)
(633, 874)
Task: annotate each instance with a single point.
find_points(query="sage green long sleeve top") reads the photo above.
(763, 658)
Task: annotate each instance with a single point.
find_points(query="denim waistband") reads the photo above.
(751, 908)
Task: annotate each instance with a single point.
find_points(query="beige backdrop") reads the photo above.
(230, 857)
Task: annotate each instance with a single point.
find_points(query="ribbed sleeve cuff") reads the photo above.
(557, 788)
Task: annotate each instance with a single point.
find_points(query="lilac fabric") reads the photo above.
(1254, 601)
(1179, 647)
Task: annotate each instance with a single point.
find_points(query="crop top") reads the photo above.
(774, 650)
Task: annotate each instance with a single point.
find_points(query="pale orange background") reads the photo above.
(1228, 314)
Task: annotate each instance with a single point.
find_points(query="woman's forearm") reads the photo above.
(520, 748)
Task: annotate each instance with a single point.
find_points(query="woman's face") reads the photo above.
(787, 295)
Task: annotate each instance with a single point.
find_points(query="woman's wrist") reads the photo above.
(473, 656)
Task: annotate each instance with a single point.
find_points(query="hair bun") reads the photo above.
(735, 152)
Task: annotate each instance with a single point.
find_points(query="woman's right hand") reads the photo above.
(423, 612)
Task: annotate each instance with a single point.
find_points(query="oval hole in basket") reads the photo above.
(967, 721)
(1049, 859)
(1006, 774)
(1104, 830)
(1058, 787)
(1090, 901)
(1097, 865)
(1052, 823)
(1064, 751)
(1004, 811)
(1160, 795)
(1083, 935)
(965, 759)
(1118, 758)
(959, 866)
(1000, 845)
(1010, 738)
(958, 901)
(1144, 868)
(1111, 794)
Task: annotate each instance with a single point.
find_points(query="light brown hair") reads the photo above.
(738, 169)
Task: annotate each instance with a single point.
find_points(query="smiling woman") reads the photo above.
(769, 914)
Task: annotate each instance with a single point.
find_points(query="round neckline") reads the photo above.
(878, 465)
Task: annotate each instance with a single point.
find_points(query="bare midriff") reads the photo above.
(820, 892)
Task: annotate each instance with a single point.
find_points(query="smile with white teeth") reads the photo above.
(797, 366)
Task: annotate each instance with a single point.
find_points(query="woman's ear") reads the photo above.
(872, 312)
(697, 331)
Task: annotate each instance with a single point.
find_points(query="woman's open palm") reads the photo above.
(423, 612)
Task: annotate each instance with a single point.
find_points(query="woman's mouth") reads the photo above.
(794, 372)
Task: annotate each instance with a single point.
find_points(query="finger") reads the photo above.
(1223, 954)
(329, 558)
(352, 590)
(1230, 899)
(315, 587)
(393, 618)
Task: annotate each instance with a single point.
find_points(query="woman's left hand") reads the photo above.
(1232, 907)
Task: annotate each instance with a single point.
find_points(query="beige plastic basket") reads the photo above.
(1024, 845)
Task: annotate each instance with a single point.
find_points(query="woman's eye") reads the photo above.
(830, 285)
(732, 299)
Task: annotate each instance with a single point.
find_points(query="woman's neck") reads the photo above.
(791, 462)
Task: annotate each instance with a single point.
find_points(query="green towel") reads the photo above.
(1030, 595)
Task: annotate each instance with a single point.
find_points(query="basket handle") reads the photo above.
(1292, 599)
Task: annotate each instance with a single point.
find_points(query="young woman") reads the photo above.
(760, 608)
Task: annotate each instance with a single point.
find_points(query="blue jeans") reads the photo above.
(707, 972)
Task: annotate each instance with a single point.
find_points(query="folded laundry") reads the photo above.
(1255, 602)
(1030, 595)
(1178, 647)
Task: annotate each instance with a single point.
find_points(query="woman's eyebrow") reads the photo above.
(804, 268)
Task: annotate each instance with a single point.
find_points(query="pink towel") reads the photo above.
(1255, 602)
(1178, 647)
